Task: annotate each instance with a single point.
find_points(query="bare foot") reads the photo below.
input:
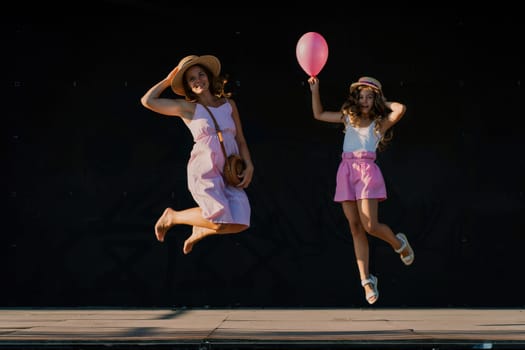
(164, 223)
(196, 236)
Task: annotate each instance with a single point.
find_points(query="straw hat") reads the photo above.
(366, 81)
(208, 61)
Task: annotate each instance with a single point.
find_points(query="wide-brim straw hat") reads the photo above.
(367, 81)
(208, 61)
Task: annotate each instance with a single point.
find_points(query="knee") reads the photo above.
(236, 228)
(372, 227)
(243, 228)
(232, 228)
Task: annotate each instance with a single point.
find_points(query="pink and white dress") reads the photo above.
(219, 203)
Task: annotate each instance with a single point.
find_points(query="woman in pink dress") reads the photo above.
(221, 208)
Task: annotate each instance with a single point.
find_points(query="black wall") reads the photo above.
(87, 170)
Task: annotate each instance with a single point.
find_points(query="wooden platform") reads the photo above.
(262, 328)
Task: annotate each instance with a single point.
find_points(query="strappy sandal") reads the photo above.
(409, 258)
(373, 281)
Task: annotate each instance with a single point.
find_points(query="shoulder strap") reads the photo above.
(219, 132)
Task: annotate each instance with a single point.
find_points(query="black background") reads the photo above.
(88, 170)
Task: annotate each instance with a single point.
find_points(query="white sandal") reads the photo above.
(373, 281)
(409, 258)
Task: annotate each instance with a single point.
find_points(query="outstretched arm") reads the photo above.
(317, 106)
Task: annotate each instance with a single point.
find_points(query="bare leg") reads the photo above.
(368, 212)
(361, 247)
(198, 233)
(170, 218)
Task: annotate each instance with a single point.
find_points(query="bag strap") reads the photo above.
(219, 132)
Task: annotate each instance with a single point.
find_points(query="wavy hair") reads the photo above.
(217, 84)
(378, 113)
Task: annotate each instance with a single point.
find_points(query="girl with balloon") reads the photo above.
(368, 119)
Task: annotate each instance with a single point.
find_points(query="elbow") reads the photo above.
(399, 108)
(403, 109)
(144, 101)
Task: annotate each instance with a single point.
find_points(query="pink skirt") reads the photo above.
(359, 177)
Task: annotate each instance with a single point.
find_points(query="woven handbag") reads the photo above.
(234, 165)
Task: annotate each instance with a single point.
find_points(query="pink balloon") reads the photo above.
(312, 53)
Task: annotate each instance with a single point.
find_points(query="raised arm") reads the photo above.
(167, 106)
(398, 111)
(317, 106)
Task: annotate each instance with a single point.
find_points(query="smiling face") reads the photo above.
(197, 79)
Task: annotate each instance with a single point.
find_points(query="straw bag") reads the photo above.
(234, 165)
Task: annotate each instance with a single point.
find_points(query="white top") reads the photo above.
(360, 139)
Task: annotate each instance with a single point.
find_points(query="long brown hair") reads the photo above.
(378, 113)
(217, 84)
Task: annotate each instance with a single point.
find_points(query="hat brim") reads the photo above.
(358, 84)
(208, 61)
